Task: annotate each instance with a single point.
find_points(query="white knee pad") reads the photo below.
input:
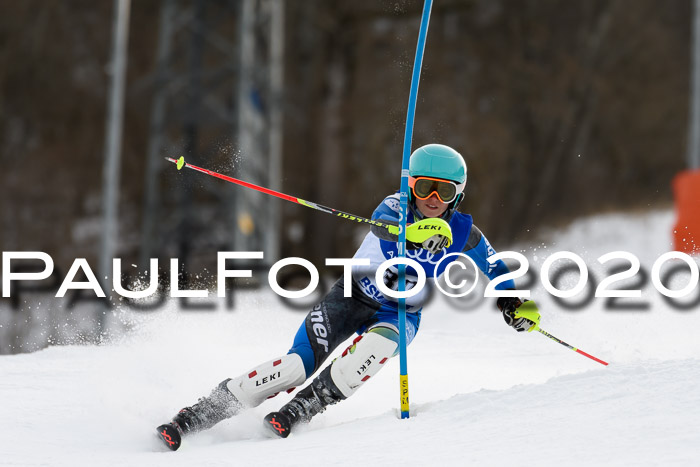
(268, 379)
(362, 360)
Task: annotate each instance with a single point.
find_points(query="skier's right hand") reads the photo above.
(432, 234)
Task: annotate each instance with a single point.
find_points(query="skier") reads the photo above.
(437, 179)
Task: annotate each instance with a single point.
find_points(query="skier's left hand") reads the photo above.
(518, 314)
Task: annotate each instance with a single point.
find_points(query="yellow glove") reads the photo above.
(432, 234)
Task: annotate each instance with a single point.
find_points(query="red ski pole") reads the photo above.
(529, 311)
(556, 339)
(394, 229)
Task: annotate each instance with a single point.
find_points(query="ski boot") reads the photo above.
(206, 413)
(308, 402)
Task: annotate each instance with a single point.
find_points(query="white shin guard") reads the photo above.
(362, 360)
(268, 379)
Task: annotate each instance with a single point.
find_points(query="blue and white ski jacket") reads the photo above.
(379, 246)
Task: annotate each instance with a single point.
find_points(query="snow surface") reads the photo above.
(481, 394)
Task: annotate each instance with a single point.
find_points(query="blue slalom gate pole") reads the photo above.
(408, 138)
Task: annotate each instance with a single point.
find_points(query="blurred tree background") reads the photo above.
(561, 108)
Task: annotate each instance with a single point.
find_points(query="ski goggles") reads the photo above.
(424, 187)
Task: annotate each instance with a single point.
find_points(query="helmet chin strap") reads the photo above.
(455, 204)
(417, 215)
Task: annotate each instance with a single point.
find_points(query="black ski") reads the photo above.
(169, 436)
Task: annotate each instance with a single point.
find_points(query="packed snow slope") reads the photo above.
(481, 394)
